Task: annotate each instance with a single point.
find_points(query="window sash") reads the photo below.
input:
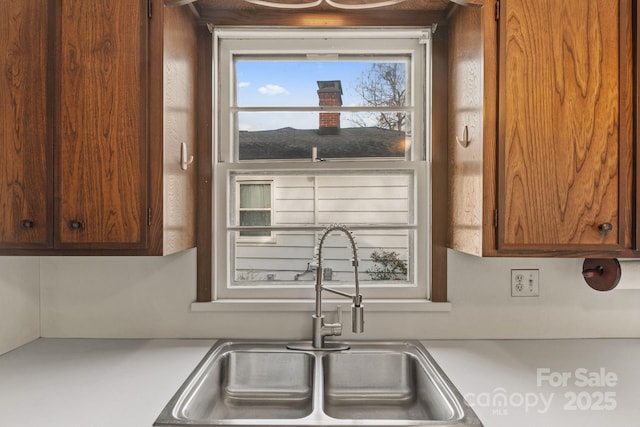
(225, 246)
(385, 43)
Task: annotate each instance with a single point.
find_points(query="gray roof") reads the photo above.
(289, 143)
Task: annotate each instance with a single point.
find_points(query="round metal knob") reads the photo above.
(75, 225)
(27, 224)
(605, 227)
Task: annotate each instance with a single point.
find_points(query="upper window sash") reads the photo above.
(339, 44)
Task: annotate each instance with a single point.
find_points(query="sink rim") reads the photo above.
(463, 414)
(172, 414)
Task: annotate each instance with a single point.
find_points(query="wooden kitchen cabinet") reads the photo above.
(104, 159)
(546, 96)
(101, 141)
(26, 179)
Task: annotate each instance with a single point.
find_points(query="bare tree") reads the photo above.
(383, 84)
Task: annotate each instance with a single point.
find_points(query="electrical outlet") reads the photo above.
(525, 283)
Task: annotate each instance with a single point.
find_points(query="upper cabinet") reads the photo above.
(26, 178)
(546, 96)
(564, 125)
(101, 140)
(101, 111)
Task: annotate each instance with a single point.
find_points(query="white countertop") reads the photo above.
(126, 383)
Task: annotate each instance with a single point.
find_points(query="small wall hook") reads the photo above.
(185, 160)
(464, 142)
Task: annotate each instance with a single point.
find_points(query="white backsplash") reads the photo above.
(150, 297)
(19, 301)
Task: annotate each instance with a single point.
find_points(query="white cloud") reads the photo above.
(244, 84)
(272, 90)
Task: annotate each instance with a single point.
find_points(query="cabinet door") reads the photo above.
(25, 136)
(564, 123)
(101, 144)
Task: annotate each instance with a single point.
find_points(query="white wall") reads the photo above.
(19, 301)
(151, 297)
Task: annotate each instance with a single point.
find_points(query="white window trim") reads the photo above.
(223, 168)
(328, 305)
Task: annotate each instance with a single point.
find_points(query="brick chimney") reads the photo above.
(329, 95)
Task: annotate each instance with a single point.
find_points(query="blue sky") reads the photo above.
(292, 83)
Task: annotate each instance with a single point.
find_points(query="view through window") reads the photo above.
(316, 130)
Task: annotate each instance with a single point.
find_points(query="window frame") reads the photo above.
(424, 220)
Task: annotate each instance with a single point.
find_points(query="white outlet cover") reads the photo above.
(525, 283)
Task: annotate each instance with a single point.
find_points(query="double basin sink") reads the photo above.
(244, 383)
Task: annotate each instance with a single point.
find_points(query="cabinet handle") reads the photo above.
(605, 227)
(75, 225)
(27, 224)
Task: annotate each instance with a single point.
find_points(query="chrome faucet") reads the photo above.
(320, 328)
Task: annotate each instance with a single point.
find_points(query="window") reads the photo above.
(315, 128)
(254, 210)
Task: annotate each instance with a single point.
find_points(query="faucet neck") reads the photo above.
(354, 261)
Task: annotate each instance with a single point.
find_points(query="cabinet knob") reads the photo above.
(605, 227)
(27, 224)
(75, 225)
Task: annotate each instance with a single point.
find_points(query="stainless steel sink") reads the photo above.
(251, 383)
(384, 385)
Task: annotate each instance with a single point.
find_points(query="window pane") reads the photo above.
(255, 218)
(384, 258)
(255, 196)
(307, 83)
(346, 197)
(293, 135)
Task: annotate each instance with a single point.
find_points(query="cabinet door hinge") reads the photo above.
(149, 217)
(498, 10)
(149, 8)
(495, 218)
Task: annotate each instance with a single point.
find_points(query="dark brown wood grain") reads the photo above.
(205, 170)
(563, 125)
(636, 92)
(25, 131)
(439, 169)
(101, 138)
(120, 99)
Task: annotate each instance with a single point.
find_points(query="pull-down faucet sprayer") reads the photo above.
(320, 328)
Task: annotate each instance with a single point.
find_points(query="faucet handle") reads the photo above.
(334, 329)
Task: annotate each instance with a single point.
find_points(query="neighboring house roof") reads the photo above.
(290, 143)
